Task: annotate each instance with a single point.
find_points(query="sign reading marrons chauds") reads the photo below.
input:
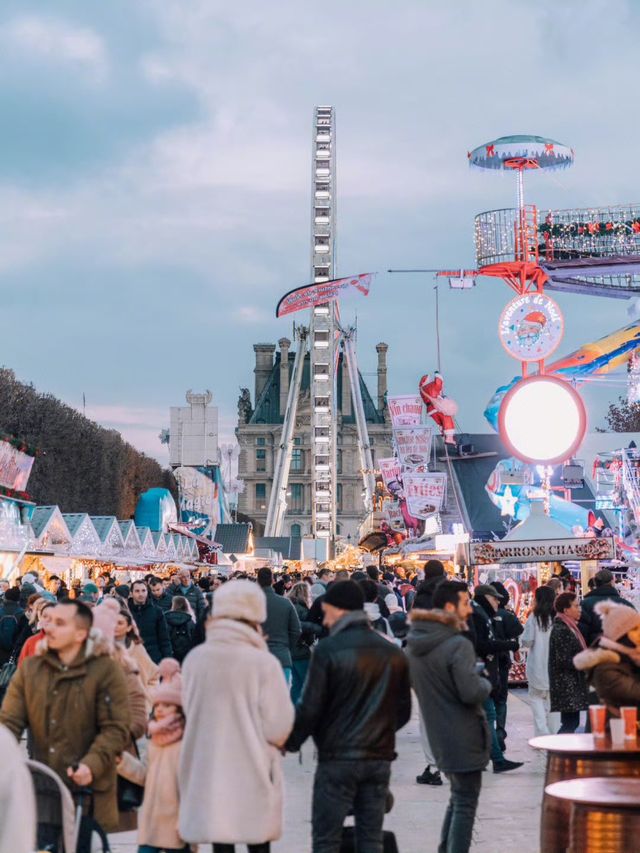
(540, 551)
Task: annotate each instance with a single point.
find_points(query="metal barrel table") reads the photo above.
(605, 813)
(577, 757)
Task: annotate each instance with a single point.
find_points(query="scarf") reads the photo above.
(167, 731)
(632, 654)
(572, 625)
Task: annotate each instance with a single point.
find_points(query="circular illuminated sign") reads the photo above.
(531, 327)
(542, 420)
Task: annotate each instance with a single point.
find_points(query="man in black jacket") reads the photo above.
(604, 590)
(151, 623)
(159, 596)
(488, 648)
(12, 621)
(506, 626)
(191, 592)
(356, 696)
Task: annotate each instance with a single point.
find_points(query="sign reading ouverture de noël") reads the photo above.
(531, 327)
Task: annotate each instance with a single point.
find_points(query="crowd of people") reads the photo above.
(116, 683)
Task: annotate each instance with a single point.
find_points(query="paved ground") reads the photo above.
(508, 816)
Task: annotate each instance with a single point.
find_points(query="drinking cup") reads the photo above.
(617, 730)
(598, 718)
(629, 714)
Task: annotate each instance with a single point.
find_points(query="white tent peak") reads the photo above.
(537, 525)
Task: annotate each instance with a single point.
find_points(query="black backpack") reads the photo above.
(8, 631)
(182, 639)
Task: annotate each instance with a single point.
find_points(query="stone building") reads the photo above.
(259, 430)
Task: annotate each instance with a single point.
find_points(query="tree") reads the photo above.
(83, 467)
(623, 416)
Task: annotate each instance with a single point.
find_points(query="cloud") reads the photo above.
(148, 225)
(57, 41)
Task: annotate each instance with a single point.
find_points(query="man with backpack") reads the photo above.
(12, 620)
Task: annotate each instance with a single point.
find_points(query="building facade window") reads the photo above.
(261, 441)
(296, 501)
(339, 461)
(296, 530)
(261, 495)
(339, 497)
(297, 459)
(261, 460)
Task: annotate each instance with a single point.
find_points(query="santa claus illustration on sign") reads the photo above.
(531, 328)
(442, 409)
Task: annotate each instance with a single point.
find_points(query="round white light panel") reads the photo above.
(542, 420)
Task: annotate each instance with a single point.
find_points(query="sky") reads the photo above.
(155, 178)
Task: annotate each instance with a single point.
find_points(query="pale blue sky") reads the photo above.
(155, 179)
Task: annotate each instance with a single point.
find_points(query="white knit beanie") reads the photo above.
(241, 599)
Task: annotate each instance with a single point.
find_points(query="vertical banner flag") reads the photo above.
(425, 493)
(15, 467)
(413, 444)
(302, 298)
(405, 410)
(390, 470)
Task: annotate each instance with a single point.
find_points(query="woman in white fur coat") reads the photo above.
(238, 715)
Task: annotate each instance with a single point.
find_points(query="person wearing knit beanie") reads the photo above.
(169, 692)
(242, 600)
(344, 595)
(168, 668)
(613, 666)
(617, 619)
(105, 619)
(158, 818)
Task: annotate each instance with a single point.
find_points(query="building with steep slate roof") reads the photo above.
(259, 430)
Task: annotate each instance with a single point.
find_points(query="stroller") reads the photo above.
(65, 819)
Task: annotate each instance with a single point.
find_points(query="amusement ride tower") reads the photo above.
(325, 339)
(322, 330)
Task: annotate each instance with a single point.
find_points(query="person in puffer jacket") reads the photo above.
(613, 667)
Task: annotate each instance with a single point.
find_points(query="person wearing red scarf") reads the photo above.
(567, 685)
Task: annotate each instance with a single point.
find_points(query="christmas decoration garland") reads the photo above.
(19, 444)
(14, 493)
(590, 229)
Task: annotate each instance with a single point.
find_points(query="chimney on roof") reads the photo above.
(381, 349)
(284, 344)
(264, 366)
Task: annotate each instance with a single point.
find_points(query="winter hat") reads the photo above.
(29, 578)
(433, 569)
(486, 589)
(346, 595)
(170, 691)
(90, 589)
(12, 594)
(105, 619)
(501, 589)
(617, 619)
(168, 668)
(240, 599)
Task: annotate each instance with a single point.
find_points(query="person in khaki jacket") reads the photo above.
(75, 702)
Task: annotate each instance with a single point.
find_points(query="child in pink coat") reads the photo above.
(158, 816)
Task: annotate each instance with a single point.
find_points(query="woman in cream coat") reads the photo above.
(238, 714)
